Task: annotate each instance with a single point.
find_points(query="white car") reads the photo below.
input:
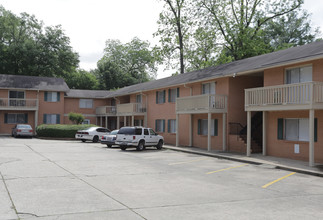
(91, 134)
(138, 137)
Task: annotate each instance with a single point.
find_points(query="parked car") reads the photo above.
(138, 137)
(109, 139)
(22, 130)
(91, 134)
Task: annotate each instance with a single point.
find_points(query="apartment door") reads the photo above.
(209, 88)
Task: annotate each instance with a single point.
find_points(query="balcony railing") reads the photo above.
(131, 109)
(106, 110)
(285, 97)
(202, 104)
(18, 104)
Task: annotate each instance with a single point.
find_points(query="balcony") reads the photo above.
(130, 109)
(106, 110)
(18, 104)
(300, 96)
(201, 104)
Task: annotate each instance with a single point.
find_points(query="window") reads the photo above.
(171, 126)
(299, 75)
(146, 132)
(208, 88)
(139, 122)
(160, 125)
(52, 96)
(16, 94)
(86, 122)
(160, 97)
(173, 94)
(152, 132)
(51, 119)
(295, 129)
(138, 98)
(203, 127)
(86, 103)
(15, 118)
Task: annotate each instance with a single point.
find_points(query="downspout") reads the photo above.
(145, 119)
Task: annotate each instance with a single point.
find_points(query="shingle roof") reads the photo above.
(33, 83)
(257, 63)
(76, 93)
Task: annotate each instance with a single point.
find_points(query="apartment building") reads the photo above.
(270, 103)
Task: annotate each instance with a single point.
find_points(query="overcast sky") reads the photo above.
(90, 23)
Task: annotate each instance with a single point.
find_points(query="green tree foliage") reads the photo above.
(126, 64)
(29, 48)
(81, 79)
(76, 118)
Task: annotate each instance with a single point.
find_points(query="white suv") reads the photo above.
(138, 137)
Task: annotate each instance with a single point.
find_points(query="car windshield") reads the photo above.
(114, 132)
(24, 126)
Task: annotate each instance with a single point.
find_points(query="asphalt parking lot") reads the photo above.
(49, 179)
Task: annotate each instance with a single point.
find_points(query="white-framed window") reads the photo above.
(138, 98)
(173, 94)
(299, 75)
(52, 96)
(16, 94)
(10, 118)
(86, 122)
(86, 103)
(297, 129)
(51, 119)
(160, 96)
(203, 127)
(208, 88)
(160, 125)
(172, 126)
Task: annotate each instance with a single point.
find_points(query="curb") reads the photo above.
(276, 166)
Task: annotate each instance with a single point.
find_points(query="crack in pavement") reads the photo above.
(129, 208)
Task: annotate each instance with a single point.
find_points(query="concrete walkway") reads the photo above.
(279, 163)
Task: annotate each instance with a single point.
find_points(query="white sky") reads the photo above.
(89, 24)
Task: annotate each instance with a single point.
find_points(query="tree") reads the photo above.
(239, 24)
(126, 64)
(29, 48)
(81, 79)
(76, 118)
(174, 24)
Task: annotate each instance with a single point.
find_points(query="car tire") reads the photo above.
(141, 146)
(95, 139)
(15, 135)
(123, 147)
(159, 146)
(109, 145)
(83, 140)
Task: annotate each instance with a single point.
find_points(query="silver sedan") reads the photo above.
(22, 130)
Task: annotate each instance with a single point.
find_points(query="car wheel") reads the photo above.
(95, 139)
(159, 146)
(15, 135)
(123, 147)
(83, 140)
(109, 145)
(141, 146)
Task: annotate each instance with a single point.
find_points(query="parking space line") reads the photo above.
(191, 161)
(268, 184)
(229, 168)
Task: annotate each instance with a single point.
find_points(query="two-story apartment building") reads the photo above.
(270, 103)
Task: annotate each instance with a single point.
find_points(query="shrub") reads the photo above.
(60, 131)
(76, 118)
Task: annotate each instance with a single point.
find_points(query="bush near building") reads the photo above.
(59, 130)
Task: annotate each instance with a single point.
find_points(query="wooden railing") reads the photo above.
(18, 103)
(131, 108)
(106, 110)
(201, 103)
(274, 97)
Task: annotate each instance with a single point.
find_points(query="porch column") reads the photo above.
(190, 121)
(124, 120)
(209, 132)
(106, 121)
(132, 120)
(248, 133)
(311, 136)
(177, 131)
(224, 132)
(118, 122)
(145, 120)
(264, 133)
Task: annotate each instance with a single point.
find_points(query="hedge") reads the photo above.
(60, 131)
